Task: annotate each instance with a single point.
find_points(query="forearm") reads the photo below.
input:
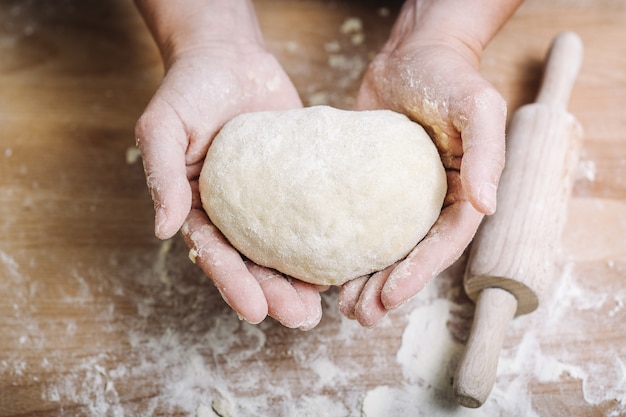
(472, 23)
(180, 25)
(479, 20)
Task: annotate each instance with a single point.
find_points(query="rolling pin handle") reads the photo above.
(476, 372)
(562, 66)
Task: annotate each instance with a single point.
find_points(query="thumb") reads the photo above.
(162, 141)
(481, 120)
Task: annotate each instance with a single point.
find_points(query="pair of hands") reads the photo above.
(435, 83)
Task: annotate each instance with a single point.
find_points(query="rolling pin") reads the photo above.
(512, 256)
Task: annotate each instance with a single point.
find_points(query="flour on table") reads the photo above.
(196, 360)
(429, 357)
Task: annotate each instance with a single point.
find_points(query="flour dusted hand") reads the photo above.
(321, 194)
(217, 66)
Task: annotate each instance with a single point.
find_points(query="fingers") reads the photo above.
(443, 245)
(224, 266)
(293, 303)
(359, 299)
(162, 140)
(312, 302)
(481, 119)
(368, 300)
(251, 290)
(349, 296)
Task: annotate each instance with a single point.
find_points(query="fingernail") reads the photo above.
(487, 196)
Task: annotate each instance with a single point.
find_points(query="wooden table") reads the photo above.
(99, 318)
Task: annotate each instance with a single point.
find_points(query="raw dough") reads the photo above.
(321, 194)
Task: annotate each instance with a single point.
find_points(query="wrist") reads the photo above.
(465, 25)
(181, 26)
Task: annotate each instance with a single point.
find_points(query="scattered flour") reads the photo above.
(196, 358)
(429, 357)
(347, 64)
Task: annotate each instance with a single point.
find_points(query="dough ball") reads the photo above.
(321, 194)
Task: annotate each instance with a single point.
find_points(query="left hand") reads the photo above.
(436, 82)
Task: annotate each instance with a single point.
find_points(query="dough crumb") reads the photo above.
(132, 155)
(193, 255)
(351, 25)
(319, 98)
(223, 408)
(205, 411)
(586, 170)
(357, 38)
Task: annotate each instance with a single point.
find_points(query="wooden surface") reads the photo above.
(98, 318)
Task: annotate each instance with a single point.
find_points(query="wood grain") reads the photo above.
(97, 317)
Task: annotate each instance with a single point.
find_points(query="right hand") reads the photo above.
(203, 88)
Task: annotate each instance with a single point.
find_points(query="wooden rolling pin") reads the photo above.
(512, 256)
